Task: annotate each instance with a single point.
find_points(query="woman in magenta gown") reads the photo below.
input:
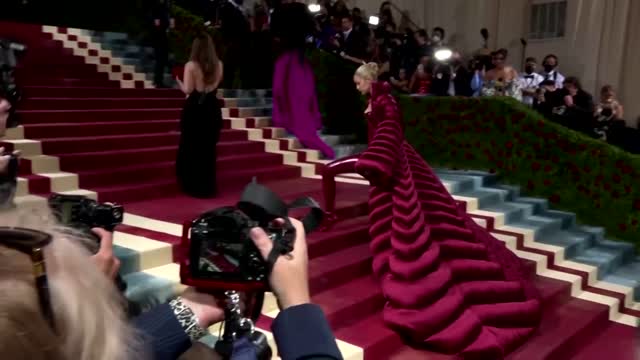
(295, 105)
(449, 285)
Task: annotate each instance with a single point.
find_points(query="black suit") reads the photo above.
(161, 12)
(580, 115)
(353, 44)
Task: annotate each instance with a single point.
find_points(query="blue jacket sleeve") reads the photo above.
(303, 333)
(163, 334)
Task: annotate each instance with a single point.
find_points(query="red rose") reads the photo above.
(555, 198)
(616, 178)
(626, 169)
(535, 166)
(509, 145)
(530, 185)
(622, 227)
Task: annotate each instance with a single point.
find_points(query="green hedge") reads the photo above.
(590, 178)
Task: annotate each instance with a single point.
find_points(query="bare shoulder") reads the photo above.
(191, 65)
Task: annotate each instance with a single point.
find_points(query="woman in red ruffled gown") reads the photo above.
(449, 285)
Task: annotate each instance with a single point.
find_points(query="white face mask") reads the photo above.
(435, 38)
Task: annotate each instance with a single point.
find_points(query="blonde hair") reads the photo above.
(368, 71)
(90, 322)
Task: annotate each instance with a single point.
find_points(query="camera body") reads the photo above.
(222, 255)
(83, 213)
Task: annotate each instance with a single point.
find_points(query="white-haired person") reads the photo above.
(59, 302)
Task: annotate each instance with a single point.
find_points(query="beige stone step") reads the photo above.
(16, 133)
(43, 163)
(241, 122)
(62, 181)
(26, 147)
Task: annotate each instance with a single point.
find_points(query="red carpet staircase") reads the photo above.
(120, 145)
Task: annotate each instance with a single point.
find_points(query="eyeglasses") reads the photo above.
(32, 243)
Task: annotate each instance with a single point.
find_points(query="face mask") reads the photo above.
(435, 38)
(548, 67)
(528, 69)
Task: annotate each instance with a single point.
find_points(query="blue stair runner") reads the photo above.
(616, 261)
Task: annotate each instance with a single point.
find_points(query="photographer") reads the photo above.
(5, 108)
(58, 304)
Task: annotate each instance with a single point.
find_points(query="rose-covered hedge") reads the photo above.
(597, 182)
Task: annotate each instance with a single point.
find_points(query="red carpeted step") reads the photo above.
(107, 159)
(152, 172)
(62, 57)
(345, 305)
(345, 233)
(100, 103)
(54, 130)
(614, 342)
(338, 268)
(166, 187)
(123, 193)
(98, 92)
(106, 143)
(564, 327)
(102, 115)
(70, 82)
(188, 208)
(373, 336)
(86, 71)
(38, 184)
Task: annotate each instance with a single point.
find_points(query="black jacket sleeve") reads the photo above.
(164, 336)
(302, 332)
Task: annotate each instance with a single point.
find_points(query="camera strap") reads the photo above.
(264, 206)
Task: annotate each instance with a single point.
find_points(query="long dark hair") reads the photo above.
(203, 52)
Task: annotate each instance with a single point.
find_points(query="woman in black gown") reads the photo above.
(201, 121)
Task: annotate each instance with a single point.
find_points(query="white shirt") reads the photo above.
(556, 76)
(345, 34)
(530, 82)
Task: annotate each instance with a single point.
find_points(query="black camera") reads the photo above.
(222, 255)
(8, 181)
(83, 213)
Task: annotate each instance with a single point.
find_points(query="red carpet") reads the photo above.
(122, 144)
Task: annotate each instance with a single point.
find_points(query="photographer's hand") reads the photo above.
(289, 277)
(5, 159)
(108, 264)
